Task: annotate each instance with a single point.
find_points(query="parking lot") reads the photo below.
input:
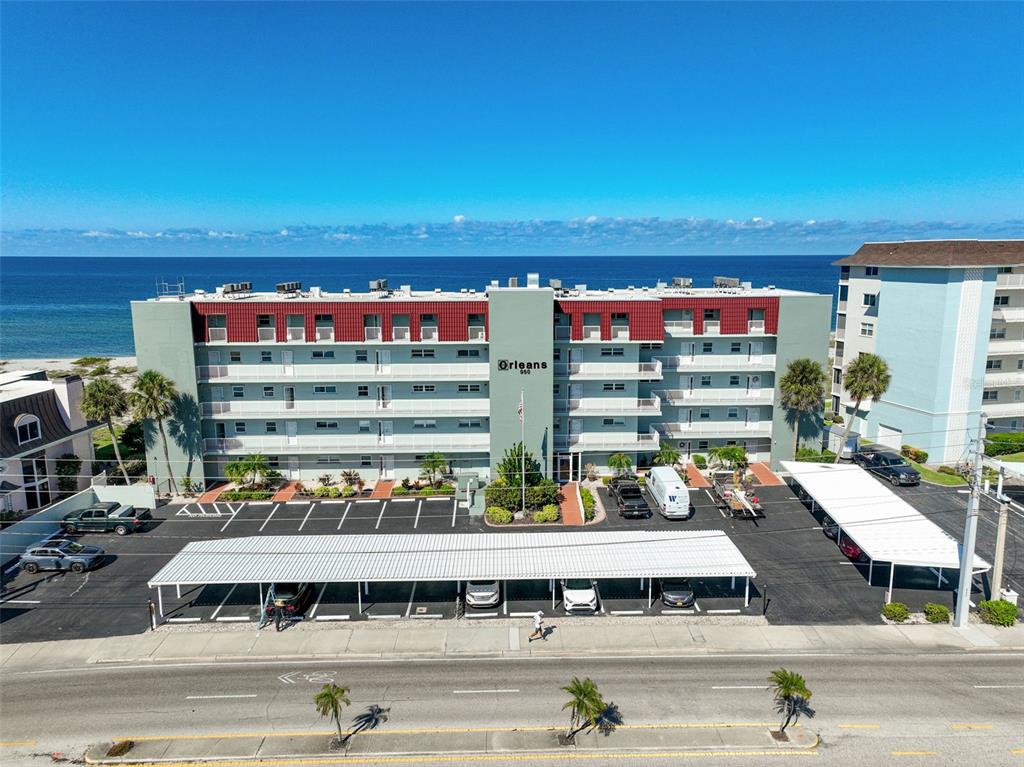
(802, 577)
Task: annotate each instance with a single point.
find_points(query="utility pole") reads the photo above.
(997, 566)
(963, 589)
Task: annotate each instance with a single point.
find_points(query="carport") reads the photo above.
(884, 526)
(364, 559)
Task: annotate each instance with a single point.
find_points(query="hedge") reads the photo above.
(810, 455)
(588, 503)
(246, 495)
(327, 492)
(998, 612)
(914, 454)
(948, 470)
(503, 496)
(400, 491)
(498, 516)
(897, 612)
(1004, 443)
(548, 514)
(936, 613)
(700, 461)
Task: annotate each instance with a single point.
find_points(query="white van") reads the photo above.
(670, 493)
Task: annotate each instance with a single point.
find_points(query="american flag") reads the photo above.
(519, 409)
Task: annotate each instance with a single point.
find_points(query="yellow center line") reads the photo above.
(968, 726)
(17, 742)
(1017, 750)
(858, 726)
(915, 753)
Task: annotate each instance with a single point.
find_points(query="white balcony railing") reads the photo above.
(371, 334)
(277, 408)
(468, 371)
(609, 406)
(600, 370)
(218, 335)
(698, 362)
(1005, 378)
(325, 334)
(1003, 409)
(266, 334)
(296, 334)
(477, 333)
(679, 327)
(591, 332)
(705, 428)
(340, 443)
(1005, 346)
(737, 395)
(712, 327)
(428, 333)
(1009, 281)
(401, 333)
(620, 332)
(605, 440)
(755, 327)
(1008, 313)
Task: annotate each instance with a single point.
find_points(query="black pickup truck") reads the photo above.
(629, 498)
(105, 518)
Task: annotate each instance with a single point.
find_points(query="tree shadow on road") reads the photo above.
(610, 718)
(370, 719)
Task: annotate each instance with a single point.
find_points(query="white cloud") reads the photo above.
(458, 219)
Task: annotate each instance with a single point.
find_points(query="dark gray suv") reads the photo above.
(61, 555)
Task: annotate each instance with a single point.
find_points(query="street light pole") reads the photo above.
(963, 589)
(997, 564)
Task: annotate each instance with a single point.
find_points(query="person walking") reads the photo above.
(538, 627)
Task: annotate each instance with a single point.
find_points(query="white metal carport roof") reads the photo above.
(484, 556)
(886, 527)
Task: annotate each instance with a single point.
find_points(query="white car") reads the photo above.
(482, 593)
(579, 595)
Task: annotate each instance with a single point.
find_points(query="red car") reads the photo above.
(852, 550)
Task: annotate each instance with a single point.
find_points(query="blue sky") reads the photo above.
(647, 128)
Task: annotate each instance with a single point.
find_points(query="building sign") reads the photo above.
(524, 368)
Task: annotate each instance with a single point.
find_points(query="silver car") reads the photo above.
(61, 555)
(482, 593)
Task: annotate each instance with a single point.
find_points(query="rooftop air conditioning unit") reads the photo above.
(315, 292)
(556, 284)
(289, 287)
(513, 282)
(378, 285)
(726, 282)
(682, 282)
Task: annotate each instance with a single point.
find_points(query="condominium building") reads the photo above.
(322, 382)
(948, 318)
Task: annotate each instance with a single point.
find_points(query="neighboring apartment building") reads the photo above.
(948, 318)
(323, 382)
(41, 421)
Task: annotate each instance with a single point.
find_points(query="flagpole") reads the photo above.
(522, 434)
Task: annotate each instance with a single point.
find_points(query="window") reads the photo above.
(870, 271)
(997, 332)
(326, 425)
(705, 412)
(239, 427)
(324, 355)
(1001, 301)
(735, 347)
(1020, 364)
(650, 346)
(423, 388)
(555, 389)
(362, 391)
(990, 395)
(705, 380)
(733, 412)
(328, 459)
(614, 421)
(993, 364)
(264, 321)
(424, 424)
(711, 314)
(234, 356)
(556, 353)
(467, 353)
(707, 347)
(613, 387)
(867, 329)
(365, 461)
(266, 356)
(423, 354)
(1004, 270)
(870, 299)
(362, 355)
(734, 380)
(364, 427)
(237, 391)
(271, 427)
(469, 423)
(620, 317)
(837, 376)
(268, 392)
(28, 428)
(463, 388)
(325, 389)
(273, 461)
(612, 351)
(702, 444)
(844, 292)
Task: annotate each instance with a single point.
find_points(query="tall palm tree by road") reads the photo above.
(866, 378)
(803, 390)
(790, 692)
(585, 705)
(103, 399)
(153, 397)
(330, 702)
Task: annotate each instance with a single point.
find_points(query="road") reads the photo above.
(930, 709)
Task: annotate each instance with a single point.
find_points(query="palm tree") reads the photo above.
(666, 455)
(330, 702)
(803, 390)
(620, 463)
(432, 464)
(866, 378)
(153, 397)
(248, 470)
(790, 692)
(729, 456)
(103, 399)
(585, 705)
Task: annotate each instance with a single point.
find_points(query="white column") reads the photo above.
(939, 584)
(732, 582)
(888, 594)
(261, 596)
(160, 599)
(359, 597)
(177, 590)
(871, 570)
(746, 591)
(551, 581)
(649, 601)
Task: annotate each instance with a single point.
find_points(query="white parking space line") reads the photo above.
(217, 697)
(521, 615)
(455, 510)
(232, 517)
(223, 601)
(696, 604)
(268, 517)
(384, 617)
(723, 612)
(344, 515)
(184, 620)
(381, 515)
(481, 615)
(625, 612)
(232, 619)
(332, 617)
(741, 687)
(412, 597)
(311, 507)
(998, 686)
(366, 500)
(318, 598)
(20, 602)
(481, 692)
(419, 508)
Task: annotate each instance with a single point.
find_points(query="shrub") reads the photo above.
(642, 481)
(445, 489)
(837, 419)
(588, 503)
(400, 490)
(936, 613)
(348, 491)
(810, 455)
(427, 491)
(700, 461)
(500, 494)
(246, 495)
(1004, 443)
(948, 470)
(605, 481)
(549, 513)
(498, 516)
(85, 362)
(998, 612)
(321, 492)
(897, 612)
(914, 454)
(350, 477)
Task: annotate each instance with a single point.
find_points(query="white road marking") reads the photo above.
(223, 601)
(183, 620)
(183, 510)
(366, 500)
(318, 598)
(696, 604)
(11, 569)
(384, 617)
(522, 615)
(268, 517)
(998, 686)
(723, 612)
(232, 518)
(481, 692)
(232, 619)
(481, 615)
(677, 612)
(20, 602)
(381, 515)
(81, 585)
(626, 612)
(217, 697)
(332, 617)
(419, 508)
(412, 597)
(741, 687)
(311, 507)
(344, 515)
(427, 615)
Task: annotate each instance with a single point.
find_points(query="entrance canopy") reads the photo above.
(483, 556)
(884, 526)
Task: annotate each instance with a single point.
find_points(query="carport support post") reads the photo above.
(551, 585)
(746, 591)
(160, 599)
(888, 594)
(939, 584)
(871, 570)
(359, 597)
(649, 601)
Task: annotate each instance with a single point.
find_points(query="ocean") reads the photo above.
(73, 306)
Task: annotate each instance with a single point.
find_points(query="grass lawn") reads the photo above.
(102, 444)
(1015, 457)
(927, 475)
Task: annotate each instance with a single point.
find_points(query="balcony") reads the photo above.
(755, 327)
(1004, 378)
(360, 372)
(620, 332)
(563, 333)
(325, 334)
(698, 362)
(608, 441)
(591, 332)
(679, 327)
(1003, 409)
(218, 335)
(347, 443)
(428, 333)
(477, 333)
(706, 428)
(364, 407)
(1008, 314)
(1005, 346)
(608, 406)
(401, 333)
(641, 371)
(841, 307)
(711, 396)
(372, 334)
(266, 334)
(1010, 281)
(712, 328)
(296, 334)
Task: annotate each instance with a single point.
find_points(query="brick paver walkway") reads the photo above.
(286, 493)
(572, 514)
(383, 488)
(211, 495)
(764, 475)
(696, 478)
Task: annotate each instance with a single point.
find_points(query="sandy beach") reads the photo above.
(121, 368)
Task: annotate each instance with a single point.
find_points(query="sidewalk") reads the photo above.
(748, 739)
(433, 639)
